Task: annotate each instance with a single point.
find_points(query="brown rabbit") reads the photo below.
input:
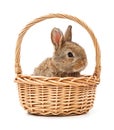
(68, 59)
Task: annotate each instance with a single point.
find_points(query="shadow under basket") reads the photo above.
(63, 96)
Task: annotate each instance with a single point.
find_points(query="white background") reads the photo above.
(14, 15)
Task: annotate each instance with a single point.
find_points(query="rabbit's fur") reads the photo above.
(68, 60)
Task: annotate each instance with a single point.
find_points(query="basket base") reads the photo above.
(58, 114)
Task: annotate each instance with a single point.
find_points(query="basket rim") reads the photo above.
(87, 80)
(97, 69)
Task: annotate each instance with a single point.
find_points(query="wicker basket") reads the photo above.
(56, 95)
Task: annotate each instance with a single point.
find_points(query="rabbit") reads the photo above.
(68, 60)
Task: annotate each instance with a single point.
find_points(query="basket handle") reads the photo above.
(18, 69)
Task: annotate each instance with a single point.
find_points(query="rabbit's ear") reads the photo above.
(57, 37)
(68, 34)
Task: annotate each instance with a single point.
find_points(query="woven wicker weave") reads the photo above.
(56, 95)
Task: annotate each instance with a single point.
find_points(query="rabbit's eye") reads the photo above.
(70, 54)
